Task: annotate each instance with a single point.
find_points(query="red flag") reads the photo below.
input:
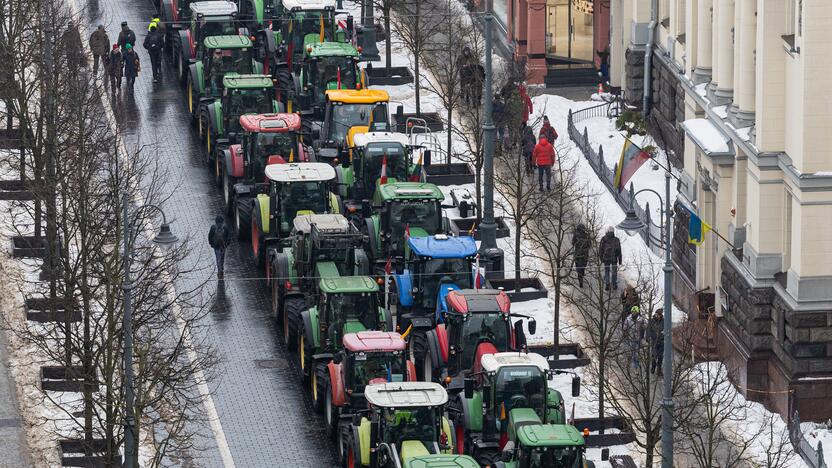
(384, 169)
(406, 231)
(388, 267)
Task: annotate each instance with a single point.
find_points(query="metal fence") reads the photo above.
(812, 456)
(652, 234)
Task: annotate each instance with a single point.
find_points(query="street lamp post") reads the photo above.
(633, 224)
(369, 49)
(164, 237)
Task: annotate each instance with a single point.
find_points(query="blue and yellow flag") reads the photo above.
(696, 229)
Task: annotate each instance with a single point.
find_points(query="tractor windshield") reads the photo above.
(374, 158)
(309, 22)
(415, 214)
(437, 271)
(550, 457)
(479, 327)
(346, 116)
(328, 71)
(271, 144)
(303, 196)
(250, 101)
(410, 424)
(231, 61)
(218, 26)
(384, 365)
(521, 387)
(357, 307)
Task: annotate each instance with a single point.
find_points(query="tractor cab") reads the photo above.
(225, 56)
(375, 158)
(403, 210)
(207, 19)
(345, 109)
(405, 421)
(545, 445)
(327, 66)
(438, 264)
(306, 22)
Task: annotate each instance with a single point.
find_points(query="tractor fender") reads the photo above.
(554, 403)
(215, 117)
(310, 326)
(197, 71)
(306, 153)
(411, 371)
(278, 107)
(169, 13)
(384, 318)
(234, 162)
(260, 211)
(404, 287)
(339, 398)
(441, 299)
(362, 264)
(363, 438)
(341, 180)
(472, 412)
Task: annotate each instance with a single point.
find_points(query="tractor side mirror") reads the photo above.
(532, 326)
(519, 335)
(486, 395)
(576, 386)
(469, 388)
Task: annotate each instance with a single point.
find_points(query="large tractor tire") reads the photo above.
(258, 246)
(418, 352)
(292, 308)
(192, 102)
(320, 376)
(305, 352)
(332, 414)
(241, 226)
(351, 449)
(373, 248)
(286, 88)
(218, 163)
(228, 192)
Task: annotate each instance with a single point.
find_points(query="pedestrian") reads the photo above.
(548, 130)
(132, 65)
(115, 67)
(498, 113)
(580, 244)
(99, 46)
(126, 36)
(544, 159)
(71, 41)
(154, 43)
(528, 148)
(629, 298)
(218, 239)
(655, 339)
(526, 101)
(609, 251)
(633, 333)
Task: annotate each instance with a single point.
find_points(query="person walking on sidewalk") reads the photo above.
(544, 159)
(132, 66)
(115, 67)
(218, 239)
(580, 244)
(528, 148)
(99, 45)
(633, 333)
(154, 43)
(125, 37)
(655, 339)
(629, 299)
(609, 251)
(548, 130)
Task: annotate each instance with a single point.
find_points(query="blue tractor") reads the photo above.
(434, 266)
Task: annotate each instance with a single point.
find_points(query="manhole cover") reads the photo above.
(271, 363)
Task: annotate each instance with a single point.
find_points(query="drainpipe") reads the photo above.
(648, 58)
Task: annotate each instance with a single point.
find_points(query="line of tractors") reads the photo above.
(411, 361)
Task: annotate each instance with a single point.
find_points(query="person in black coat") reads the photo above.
(655, 338)
(580, 244)
(529, 143)
(126, 36)
(154, 43)
(609, 252)
(132, 65)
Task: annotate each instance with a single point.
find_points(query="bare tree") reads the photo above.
(776, 445)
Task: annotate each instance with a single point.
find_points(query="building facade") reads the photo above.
(553, 35)
(740, 99)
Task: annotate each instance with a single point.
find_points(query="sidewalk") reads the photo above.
(13, 448)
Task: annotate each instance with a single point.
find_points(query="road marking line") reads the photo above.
(138, 198)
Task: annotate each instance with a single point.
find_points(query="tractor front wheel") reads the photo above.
(319, 378)
(331, 412)
(240, 226)
(304, 357)
(275, 292)
(418, 350)
(292, 308)
(227, 192)
(218, 172)
(257, 244)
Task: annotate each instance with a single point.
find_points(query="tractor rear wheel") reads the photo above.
(286, 86)
(304, 357)
(418, 350)
(240, 225)
(218, 172)
(257, 244)
(292, 308)
(427, 366)
(319, 378)
(331, 412)
(275, 293)
(227, 192)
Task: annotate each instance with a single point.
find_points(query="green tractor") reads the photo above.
(225, 56)
(306, 22)
(533, 445)
(322, 246)
(293, 189)
(375, 158)
(219, 119)
(366, 357)
(402, 210)
(345, 304)
(404, 427)
(266, 139)
(211, 18)
(505, 390)
(327, 66)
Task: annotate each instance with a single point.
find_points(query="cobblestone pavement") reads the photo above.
(265, 417)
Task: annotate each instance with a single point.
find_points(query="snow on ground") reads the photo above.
(815, 434)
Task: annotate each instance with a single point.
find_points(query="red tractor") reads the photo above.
(368, 357)
(478, 322)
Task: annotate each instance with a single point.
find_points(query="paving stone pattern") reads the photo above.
(266, 418)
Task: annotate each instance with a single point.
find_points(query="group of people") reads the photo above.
(540, 153)
(637, 330)
(121, 60)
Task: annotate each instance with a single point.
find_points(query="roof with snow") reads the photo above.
(213, 8)
(300, 172)
(323, 222)
(363, 139)
(443, 246)
(710, 139)
(308, 4)
(493, 362)
(406, 394)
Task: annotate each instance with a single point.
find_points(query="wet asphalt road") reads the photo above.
(265, 417)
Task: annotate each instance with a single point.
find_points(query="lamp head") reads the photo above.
(165, 237)
(631, 224)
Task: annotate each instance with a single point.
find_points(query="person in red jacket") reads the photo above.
(544, 159)
(548, 130)
(528, 107)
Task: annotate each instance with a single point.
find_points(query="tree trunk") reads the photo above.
(450, 136)
(556, 338)
(601, 382)
(517, 230)
(417, 50)
(478, 187)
